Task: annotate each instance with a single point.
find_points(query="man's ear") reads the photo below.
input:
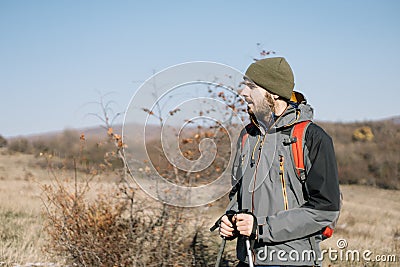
(275, 97)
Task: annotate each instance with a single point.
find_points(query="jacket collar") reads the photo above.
(293, 114)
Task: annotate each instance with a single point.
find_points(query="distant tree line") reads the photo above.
(367, 152)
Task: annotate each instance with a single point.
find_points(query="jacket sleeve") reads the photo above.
(323, 204)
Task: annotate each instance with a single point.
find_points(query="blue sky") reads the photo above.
(56, 57)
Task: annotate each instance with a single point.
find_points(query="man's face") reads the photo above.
(259, 101)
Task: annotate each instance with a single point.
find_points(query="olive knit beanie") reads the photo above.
(273, 74)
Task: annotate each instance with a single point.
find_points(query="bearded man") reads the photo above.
(282, 213)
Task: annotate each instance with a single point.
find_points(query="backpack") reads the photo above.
(297, 138)
(297, 142)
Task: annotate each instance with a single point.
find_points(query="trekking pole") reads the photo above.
(220, 252)
(249, 254)
(222, 246)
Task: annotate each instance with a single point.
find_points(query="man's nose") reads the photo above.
(245, 91)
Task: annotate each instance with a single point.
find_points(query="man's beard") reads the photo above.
(263, 111)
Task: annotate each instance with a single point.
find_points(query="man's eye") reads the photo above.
(251, 85)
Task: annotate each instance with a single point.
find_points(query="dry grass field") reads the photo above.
(369, 220)
(22, 209)
(21, 223)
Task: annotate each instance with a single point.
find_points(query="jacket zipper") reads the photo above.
(283, 182)
(255, 171)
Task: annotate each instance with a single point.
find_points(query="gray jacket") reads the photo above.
(290, 214)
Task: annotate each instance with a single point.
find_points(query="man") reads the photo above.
(283, 217)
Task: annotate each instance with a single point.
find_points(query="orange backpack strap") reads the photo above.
(244, 138)
(297, 135)
(297, 142)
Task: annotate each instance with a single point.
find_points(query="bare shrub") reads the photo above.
(113, 230)
(118, 227)
(3, 141)
(370, 158)
(20, 145)
(41, 146)
(189, 143)
(363, 134)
